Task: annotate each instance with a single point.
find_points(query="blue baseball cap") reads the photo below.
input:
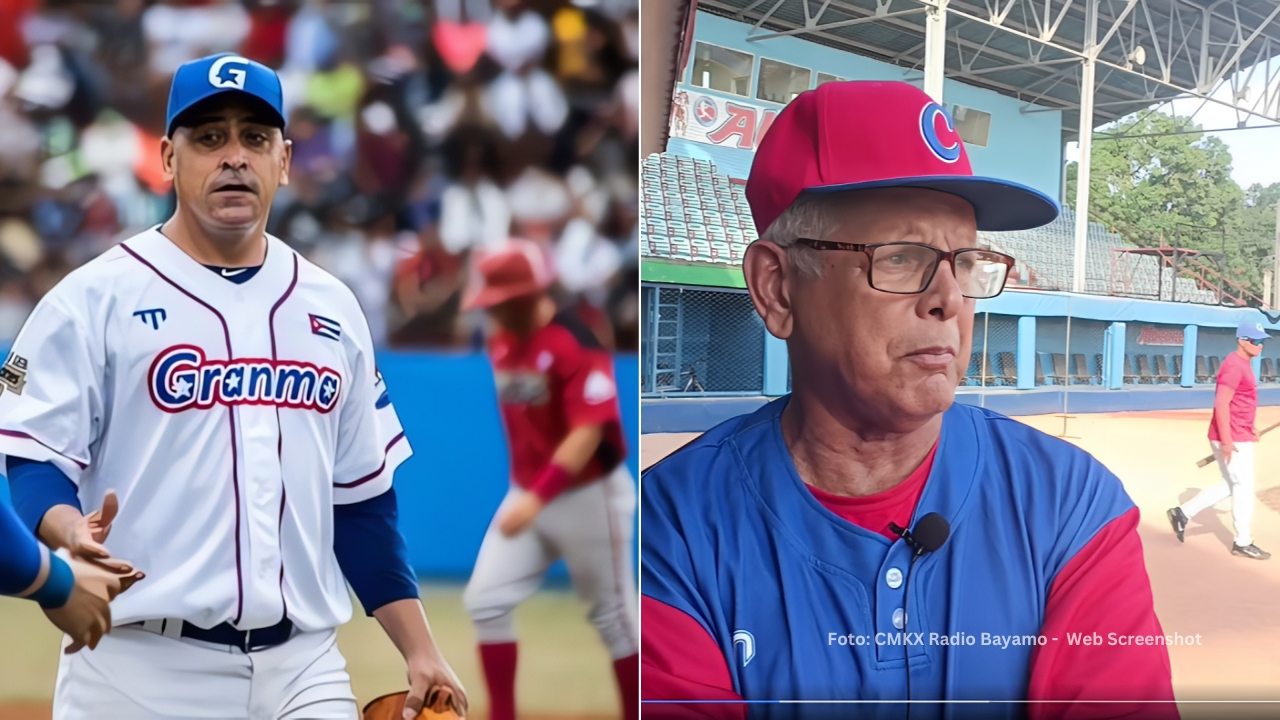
(1251, 331)
(207, 77)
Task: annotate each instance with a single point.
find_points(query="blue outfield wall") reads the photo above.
(1019, 333)
(458, 474)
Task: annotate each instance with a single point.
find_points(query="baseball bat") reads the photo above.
(1209, 458)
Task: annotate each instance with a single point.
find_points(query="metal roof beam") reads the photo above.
(1221, 69)
(765, 18)
(1119, 68)
(1219, 16)
(742, 14)
(1019, 66)
(1135, 104)
(977, 47)
(878, 51)
(1077, 12)
(909, 52)
(1170, 54)
(811, 26)
(1115, 25)
(1057, 78)
(725, 6)
(1155, 41)
(1210, 34)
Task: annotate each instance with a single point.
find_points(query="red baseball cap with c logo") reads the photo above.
(861, 135)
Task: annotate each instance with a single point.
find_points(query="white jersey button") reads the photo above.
(899, 619)
(893, 578)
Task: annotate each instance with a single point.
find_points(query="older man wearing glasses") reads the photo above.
(1232, 435)
(866, 538)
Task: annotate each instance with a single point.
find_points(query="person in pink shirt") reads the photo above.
(1232, 436)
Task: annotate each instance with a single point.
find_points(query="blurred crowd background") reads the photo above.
(423, 131)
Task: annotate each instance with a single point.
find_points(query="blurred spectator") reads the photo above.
(473, 210)
(421, 130)
(178, 30)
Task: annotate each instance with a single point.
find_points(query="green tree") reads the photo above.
(1155, 188)
(1256, 230)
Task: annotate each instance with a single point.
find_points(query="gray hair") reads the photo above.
(810, 216)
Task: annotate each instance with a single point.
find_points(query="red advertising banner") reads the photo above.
(1152, 335)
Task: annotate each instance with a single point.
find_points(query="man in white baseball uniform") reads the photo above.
(216, 395)
(1232, 436)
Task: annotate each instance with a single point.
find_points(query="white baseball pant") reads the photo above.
(590, 526)
(1237, 483)
(140, 675)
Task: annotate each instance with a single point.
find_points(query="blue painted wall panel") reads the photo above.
(1108, 308)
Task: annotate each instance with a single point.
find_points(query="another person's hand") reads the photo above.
(433, 684)
(519, 514)
(85, 537)
(86, 616)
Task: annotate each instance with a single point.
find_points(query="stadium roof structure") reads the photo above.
(1145, 52)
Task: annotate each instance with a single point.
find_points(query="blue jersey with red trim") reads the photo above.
(803, 605)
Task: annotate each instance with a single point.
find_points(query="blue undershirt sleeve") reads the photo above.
(36, 487)
(372, 553)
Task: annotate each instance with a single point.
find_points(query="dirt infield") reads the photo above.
(1233, 603)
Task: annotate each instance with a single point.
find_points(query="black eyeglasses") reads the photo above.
(907, 268)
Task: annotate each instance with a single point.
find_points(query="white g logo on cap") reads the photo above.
(224, 72)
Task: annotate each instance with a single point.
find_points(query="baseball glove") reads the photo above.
(391, 707)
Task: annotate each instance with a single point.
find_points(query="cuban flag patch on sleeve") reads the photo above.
(324, 327)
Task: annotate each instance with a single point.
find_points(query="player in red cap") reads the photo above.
(572, 496)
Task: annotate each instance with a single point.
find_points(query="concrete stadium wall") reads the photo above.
(1026, 147)
(458, 474)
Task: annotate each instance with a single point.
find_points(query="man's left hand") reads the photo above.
(519, 514)
(433, 684)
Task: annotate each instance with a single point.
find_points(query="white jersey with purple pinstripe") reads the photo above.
(229, 418)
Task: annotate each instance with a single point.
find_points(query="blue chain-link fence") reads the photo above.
(992, 362)
(700, 342)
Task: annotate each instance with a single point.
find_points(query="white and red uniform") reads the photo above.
(550, 383)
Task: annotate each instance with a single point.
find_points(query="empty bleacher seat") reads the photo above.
(1059, 373)
(1007, 370)
(1080, 370)
(1145, 374)
(1202, 369)
(1129, 375)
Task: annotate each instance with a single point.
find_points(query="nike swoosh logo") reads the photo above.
(228, 272)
